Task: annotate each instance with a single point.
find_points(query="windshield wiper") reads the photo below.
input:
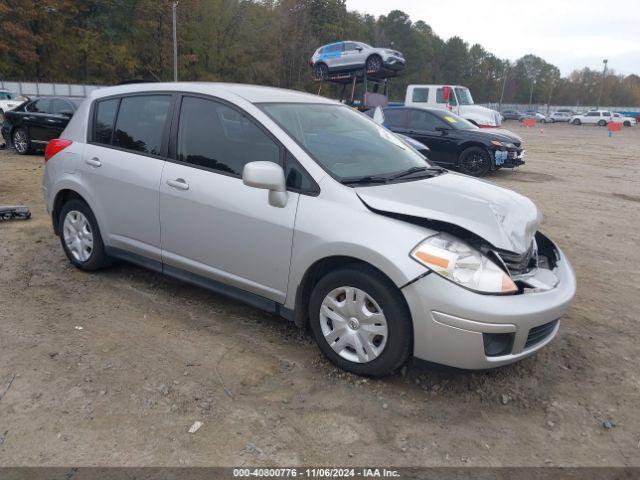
(367, 179)
(432, 170)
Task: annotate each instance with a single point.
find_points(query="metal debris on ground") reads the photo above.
(8, 212)
(195, 427)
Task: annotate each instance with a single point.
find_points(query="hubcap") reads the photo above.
(20, 141)
(78, 236)
(353, 324)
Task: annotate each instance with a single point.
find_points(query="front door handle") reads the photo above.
(178, 183)
(94, 162)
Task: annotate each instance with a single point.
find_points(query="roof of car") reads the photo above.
(250, 93)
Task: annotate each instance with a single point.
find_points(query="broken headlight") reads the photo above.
(459, 262)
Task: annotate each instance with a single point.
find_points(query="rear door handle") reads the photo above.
(94, 162)
(178, 183)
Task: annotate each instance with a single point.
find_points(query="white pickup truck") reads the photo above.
(454, 98)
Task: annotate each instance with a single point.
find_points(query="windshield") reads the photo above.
(464, 96)
(344, 142)
(454, 121)
(8, 96)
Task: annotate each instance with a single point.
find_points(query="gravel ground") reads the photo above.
(113, 368)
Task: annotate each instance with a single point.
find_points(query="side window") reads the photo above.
(420, 95)
(335, 48)
(606, 114)
(297, 178)
(58, 105)
(215, 136)
(420, 120)
(440, 96)
(105, 115)
(141, 122)
(39, 106)
(395, 117)
(593, 114)
(351, 46)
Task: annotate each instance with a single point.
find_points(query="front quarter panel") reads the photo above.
(337, 223)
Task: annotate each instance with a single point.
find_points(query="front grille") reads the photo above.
(540, 333)
(519, 264)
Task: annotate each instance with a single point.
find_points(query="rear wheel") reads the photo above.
(374, 64)
(80, 236)
(475, 161)
(321, 71)
(360, 321)
(21, 141)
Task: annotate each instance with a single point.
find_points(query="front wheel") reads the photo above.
(21, 141)
(360, 321)
(321, 71)
(475, 161)
(576, 121)
(374, 64)
(80, 236)
(627, 124)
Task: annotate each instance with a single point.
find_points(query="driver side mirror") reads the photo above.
(268, 176)
(359, 49)
(443, 130)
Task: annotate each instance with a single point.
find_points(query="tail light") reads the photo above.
(55, 146)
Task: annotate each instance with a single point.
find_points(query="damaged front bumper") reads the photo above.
(460, 328)
(508, 157)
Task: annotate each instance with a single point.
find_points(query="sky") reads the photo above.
(570, 34)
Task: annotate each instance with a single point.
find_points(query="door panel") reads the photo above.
(422, 125)
(221, 229)
(125, 187)
(125, 181)
(34, 119)
(212, 224)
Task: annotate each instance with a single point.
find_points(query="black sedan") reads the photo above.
(455, 142)
(31, 125)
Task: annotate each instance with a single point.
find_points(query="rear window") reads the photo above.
(141, 122)
(420, 95)
(39, 106)
(103, 121)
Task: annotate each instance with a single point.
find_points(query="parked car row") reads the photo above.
(596, 117)
(602, 118)
(302, 206)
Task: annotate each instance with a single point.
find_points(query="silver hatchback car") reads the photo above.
(308, 209)
(349, 55)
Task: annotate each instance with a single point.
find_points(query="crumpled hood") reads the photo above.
(504, 218)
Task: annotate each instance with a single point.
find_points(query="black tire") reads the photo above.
(97, 258)
(474, 161)
(602, 123)
(627, 124)
(374, 64)
(399, 341)
(21, 141)
(576, 121)
(321, 71)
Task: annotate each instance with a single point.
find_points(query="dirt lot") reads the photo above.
(154, 355)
